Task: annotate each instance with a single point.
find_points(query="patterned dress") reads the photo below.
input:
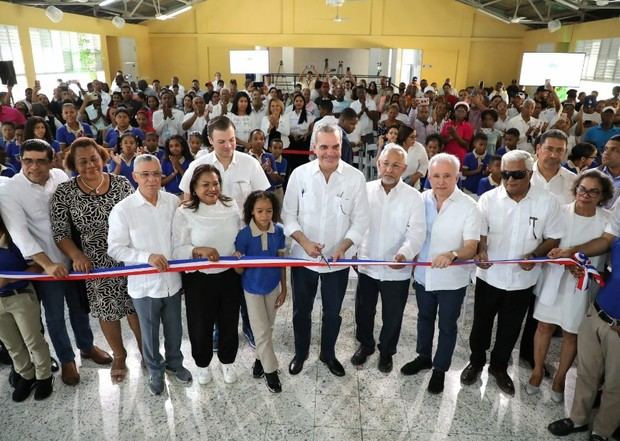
(83, 217)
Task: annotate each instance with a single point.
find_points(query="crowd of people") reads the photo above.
(139, 173)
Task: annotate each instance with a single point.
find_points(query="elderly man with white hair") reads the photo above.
(452, 233)
(519, 221)
(397, 231)
(325, 211)
(526, 124)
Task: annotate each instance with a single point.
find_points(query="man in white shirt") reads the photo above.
(452, 233)
(325, 211)
(175, 84)
(548, 172)
(168, 121)
(519, 221)
(241, 173)
(397, 231)
(196, 121)
(364, 107)
(526, 124)
(24, 204)
(223, 106)
(156, 297)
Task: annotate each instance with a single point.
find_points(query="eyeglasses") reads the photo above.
(518, 174)
(155, 174)
(592, 192)
(29, 161)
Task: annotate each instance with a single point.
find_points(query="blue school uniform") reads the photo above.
(126, 170)
(11, 260)
(167, 169)
(112, 137)
(281, 168)
(485, 185)
(471, 163)
(253, 242)
(66, 136)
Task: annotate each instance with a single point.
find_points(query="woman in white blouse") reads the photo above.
(206, 227)
(240, 115)
(417, 158)
(558, 301)
(275, 125)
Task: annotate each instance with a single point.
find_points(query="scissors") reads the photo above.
(322, 256)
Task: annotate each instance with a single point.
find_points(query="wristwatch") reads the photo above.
(455, 255)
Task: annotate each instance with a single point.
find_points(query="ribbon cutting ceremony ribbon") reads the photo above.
(260, 262)
(588, 270)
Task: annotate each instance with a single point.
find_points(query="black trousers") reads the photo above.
(526, 349)
(393, 300)
(333, 289)
(510, 308)
(209, 299)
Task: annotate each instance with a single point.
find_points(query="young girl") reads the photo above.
(123, 159)
(12, 149)
(72, 129)
(122, 119)
(264, 288)
(475, 163)
(37, 128)
(494, 136)
(195, 143)
(175, 163)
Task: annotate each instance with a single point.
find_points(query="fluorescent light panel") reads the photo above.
(495, 16)
(174, 13)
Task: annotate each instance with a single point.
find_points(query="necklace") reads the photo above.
(93, 191)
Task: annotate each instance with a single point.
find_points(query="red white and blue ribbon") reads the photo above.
(588, 270)
(260, 262)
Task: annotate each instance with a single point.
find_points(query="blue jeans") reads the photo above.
(165, 311)
(333, 289)
(449, 305)
(53, 296)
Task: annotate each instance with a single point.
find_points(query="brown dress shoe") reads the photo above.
(70, 375)
(97, 355)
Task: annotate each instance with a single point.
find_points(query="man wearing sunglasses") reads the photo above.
(519, 221)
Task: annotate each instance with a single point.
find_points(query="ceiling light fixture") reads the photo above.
(568, 4)
(554, 25)
(495, 16)
(107, 2)
(118, 21)
(172, 14)
(54, 14)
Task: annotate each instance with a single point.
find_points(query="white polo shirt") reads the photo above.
(397, 226)
(326, 212)
(515, 229)
(560, 185)
(132, 240)
(518, 123)
(447, 230)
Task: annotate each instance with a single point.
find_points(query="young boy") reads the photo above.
(8, 134)
(279, 181)
(72, 129)
(494, 136)
(475, 163)
(511, 139)
(151, 145)
(495, 176)
(12, 149)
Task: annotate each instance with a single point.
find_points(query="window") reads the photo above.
(602, 59)
(67, 56)
(10, 49)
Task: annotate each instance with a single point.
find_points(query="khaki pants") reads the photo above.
(598, 352)
(262, 312)
(20, 331)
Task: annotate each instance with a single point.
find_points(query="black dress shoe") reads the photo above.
(597, 437)
(360, 356)
(503, 380)
(564, 427)
(295, 366)
(435, 386)
(55, 367)
(43, 388)
(385, 364)
(23, 388)
(470, 374)
(257, 369)
(417, 365)
(334, 366)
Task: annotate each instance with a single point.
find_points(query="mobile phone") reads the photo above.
(548, 84)
(37, 83)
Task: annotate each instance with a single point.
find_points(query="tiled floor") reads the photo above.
(364, 405)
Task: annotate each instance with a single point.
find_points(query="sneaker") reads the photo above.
(273, 382)
(417, 365)
(156, 384)
(204, 375)
(43, 388)
(230, 376)
(435, 385)
(385, 363)
(23, 388)
(257, 369)
(182, 375)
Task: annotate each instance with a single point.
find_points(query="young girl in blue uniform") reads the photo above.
(123, 159)
(176, 159)
(264, 288)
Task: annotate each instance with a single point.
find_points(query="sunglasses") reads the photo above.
(519, 174)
